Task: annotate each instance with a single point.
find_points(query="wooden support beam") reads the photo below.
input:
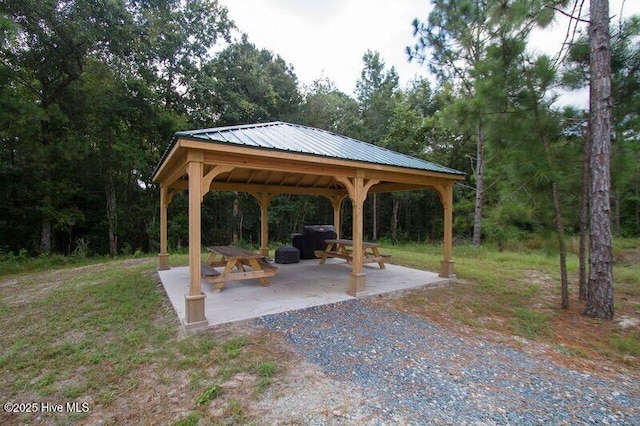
(357, 187)
(275, 189)
(446, 198)
(206, 180)
(357, 277)
(194, 300)
(163, 257)
(264, 199)
(336, 202)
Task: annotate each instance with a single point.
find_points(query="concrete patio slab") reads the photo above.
(295, 286)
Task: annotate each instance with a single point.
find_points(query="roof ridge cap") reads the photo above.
(227, 128)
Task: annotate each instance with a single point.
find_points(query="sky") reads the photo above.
(327, 38)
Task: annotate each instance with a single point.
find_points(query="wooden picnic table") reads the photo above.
(343, 249)
(231, 258)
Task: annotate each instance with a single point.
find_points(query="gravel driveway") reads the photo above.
(415, 372)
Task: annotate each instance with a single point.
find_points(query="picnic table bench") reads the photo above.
(343, 249)
(231, 258)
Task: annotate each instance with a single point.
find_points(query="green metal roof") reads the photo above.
(287, 137)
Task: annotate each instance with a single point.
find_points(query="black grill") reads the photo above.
(311, 238)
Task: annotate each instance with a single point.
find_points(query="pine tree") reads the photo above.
(600, 286)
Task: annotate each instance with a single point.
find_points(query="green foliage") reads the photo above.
(248, 85)
(376, 91)
(325, 107)
(82, 248)
(209, 395)
(87, 110)
(625, 88)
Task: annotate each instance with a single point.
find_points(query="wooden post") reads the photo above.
(336, 202)
(357, 277)
(194, 300)
(163, 257)
(264, 199)
(358, 188)
(446, 198)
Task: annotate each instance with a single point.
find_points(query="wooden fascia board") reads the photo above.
(260, 158)
(173, 169)
(415, 177)
(162, 170)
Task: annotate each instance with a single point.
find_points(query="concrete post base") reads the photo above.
(163, 262)
(194, 311)
(446, 269)
(356, 284)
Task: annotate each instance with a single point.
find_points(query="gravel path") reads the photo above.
(415, 372)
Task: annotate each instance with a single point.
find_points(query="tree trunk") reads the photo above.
(477, 218)
(45, 236)
(637, 205)
(236, 211)
(600, 293)
(561, 246)
(394, 218)
(584, 219)
(112, 212)
(616, 212)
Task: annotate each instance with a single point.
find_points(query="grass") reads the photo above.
(628, 344)
(209, 395)
(265, 371)
(23, 263)
(531, 324)
(105, 324)
(517, 291)
(102, 332)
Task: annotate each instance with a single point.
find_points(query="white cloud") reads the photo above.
(328, 37)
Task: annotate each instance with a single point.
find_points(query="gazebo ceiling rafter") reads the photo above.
(317, 180)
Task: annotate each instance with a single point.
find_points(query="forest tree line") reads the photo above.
(91, 93)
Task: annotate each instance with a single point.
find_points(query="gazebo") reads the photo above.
(270, 159)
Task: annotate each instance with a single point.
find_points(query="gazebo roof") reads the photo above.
(284, 158)
(287, 137)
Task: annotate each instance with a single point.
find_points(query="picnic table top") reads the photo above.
(346, 242)
(234, 252)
